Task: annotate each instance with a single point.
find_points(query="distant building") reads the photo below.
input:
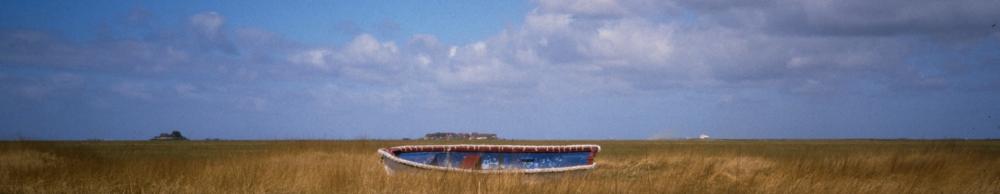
(175, 135)
(460, 136)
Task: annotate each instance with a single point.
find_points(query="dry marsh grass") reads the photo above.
(848, 166)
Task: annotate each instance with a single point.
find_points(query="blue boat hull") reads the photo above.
(490, 158)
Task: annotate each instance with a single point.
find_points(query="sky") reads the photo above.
(563, 69)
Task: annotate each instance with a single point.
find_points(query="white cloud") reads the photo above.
(366, 49)
(473, 74)
(208, 24)
(630, 42)
(365, 59)
(548, 23)
(479, 48)
(316, 58)
(208, 28)
(423, 60)
(527, 56)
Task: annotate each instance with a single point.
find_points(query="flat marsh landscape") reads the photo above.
(719, 166)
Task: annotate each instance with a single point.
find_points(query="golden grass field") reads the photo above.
(842, 166)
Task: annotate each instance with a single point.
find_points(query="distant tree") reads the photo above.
(177, 134)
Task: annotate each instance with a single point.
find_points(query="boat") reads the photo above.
(490, 159)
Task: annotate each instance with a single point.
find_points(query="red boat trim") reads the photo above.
(590, 159)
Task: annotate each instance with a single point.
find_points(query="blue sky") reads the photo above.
(523, 69)
(315, 22)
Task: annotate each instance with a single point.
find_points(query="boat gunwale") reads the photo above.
(496, 148)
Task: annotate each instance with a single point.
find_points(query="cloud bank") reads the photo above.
(742, 69)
